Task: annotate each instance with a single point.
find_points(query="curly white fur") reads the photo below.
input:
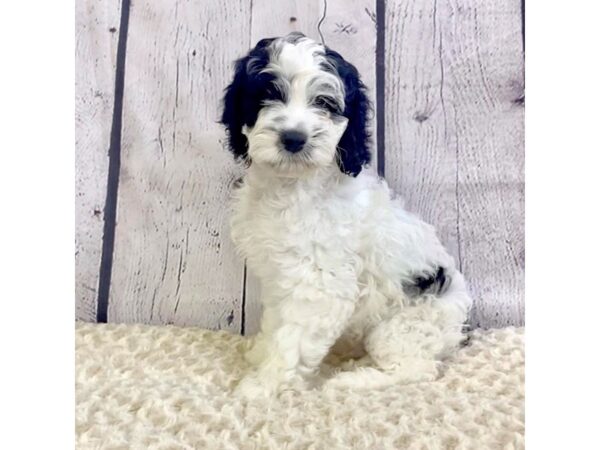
(332, 253)
(335, 253)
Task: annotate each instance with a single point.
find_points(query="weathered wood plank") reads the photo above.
(454, 144)
(96, 24)
(347, 27)
(273, 19)
(173, 260)
(420, 160)
(482, 50)
(454, 128)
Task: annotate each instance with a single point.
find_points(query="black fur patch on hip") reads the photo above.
(428, 283)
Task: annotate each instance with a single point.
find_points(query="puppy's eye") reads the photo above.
(273, 94)
(327, 104)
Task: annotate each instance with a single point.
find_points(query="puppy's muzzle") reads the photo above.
(293, 140)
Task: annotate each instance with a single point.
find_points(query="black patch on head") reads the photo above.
(428, 283)
(245, 95)
(353, 148)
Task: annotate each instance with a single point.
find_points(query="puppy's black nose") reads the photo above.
(293, 140)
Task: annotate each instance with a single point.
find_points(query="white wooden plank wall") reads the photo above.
(173, 260)
(452, 110)
(454, 137)
(489, 119)
(96, 28)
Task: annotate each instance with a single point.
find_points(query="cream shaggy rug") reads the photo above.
(148, 387)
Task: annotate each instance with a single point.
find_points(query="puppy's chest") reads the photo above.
(292, 223)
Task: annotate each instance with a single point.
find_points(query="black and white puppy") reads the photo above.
(344, 269)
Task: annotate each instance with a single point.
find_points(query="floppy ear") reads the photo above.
(353, 148)
(239, 105)
(233, 117)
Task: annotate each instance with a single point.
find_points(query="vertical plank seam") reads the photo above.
(523, 25)
(522, 97)
(380, 84)
(521, 305)
(443, 105)
(114, 167)
(243, 318)
(244, 278)
(250, 23)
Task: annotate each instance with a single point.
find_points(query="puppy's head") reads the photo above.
(295, 105)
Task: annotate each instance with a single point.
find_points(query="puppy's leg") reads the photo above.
(407, 346)
(308, 326)
(258, 345)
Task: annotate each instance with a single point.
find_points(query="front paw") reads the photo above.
(253, 387)
(255, 354)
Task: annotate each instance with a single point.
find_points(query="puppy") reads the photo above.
(344, 269)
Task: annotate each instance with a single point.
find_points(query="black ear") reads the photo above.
(232, 117)
(353, 148)
(240, 103)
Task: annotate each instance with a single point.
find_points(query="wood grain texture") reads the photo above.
(420, 161)
(173, 260)
(453, 144)
(96, 35)
(482, 50)
(347, 26)
(454, 138)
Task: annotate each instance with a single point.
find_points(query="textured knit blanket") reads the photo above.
(149, 387)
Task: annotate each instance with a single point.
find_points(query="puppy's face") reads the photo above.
(294, 106)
